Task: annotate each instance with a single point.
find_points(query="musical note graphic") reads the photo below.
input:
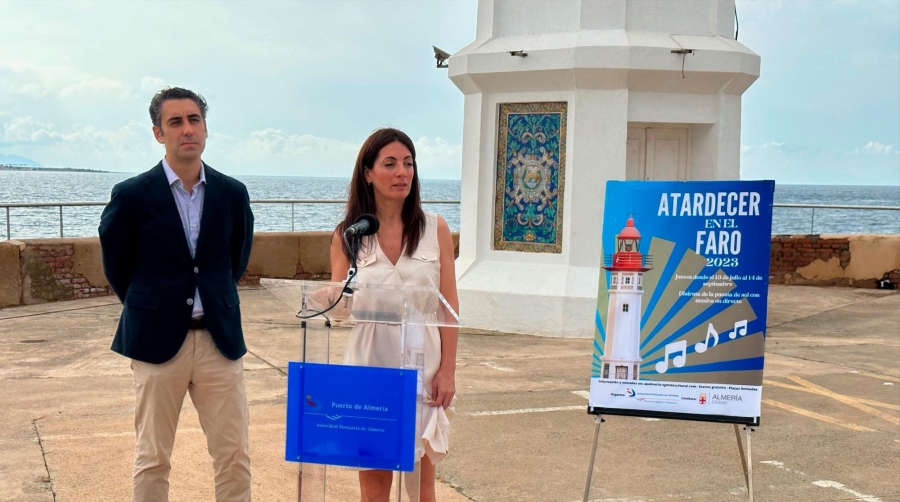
(678, 360)
(738, 326)
(710, 332)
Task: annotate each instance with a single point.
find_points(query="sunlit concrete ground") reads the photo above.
(830, 419)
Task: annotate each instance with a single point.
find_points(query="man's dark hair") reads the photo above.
(174, 93)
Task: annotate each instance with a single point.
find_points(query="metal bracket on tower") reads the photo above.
(684, 52)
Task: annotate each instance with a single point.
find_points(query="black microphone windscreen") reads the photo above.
(373, 223)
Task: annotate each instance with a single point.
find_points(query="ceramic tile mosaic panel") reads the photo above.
(531, 153)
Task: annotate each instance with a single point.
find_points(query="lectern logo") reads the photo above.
(702, 398)
(630, 392)
(311, 402)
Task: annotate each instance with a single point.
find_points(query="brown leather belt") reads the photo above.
(199, 323)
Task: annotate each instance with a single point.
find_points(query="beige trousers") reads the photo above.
(217, 390)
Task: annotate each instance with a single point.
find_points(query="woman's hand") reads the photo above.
(443, 388)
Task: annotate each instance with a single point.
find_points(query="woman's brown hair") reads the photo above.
(361, 199)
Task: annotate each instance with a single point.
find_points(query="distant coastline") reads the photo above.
(14, 167)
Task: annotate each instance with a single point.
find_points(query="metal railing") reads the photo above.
(61, 205)
(294, 202)
(813, 207)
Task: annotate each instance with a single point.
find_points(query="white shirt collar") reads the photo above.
(173, 178)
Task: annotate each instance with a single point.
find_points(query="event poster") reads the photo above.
(681, 305)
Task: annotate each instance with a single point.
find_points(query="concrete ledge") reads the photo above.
(10, 276)
(47, 270)
(287, 255)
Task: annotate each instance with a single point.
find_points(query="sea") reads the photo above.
(60, 186)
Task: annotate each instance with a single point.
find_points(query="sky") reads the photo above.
(294, 88)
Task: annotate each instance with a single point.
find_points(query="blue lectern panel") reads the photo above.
(353, 416)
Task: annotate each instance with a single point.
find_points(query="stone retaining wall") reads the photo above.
(834, 260)
(44, 270)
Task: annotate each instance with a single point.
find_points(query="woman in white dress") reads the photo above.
(411, 247)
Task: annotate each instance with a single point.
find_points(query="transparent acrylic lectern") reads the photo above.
(400, 318)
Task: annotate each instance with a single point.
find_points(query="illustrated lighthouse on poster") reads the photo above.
(621, 358)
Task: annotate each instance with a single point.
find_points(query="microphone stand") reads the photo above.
(353, 247)
(347, 292)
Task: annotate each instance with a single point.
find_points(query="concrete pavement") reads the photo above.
(830, 422)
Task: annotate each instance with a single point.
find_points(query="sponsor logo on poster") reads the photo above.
(725, 398)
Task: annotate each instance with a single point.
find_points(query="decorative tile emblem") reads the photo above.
(531, 154)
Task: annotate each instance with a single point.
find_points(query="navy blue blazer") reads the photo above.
(148, 263)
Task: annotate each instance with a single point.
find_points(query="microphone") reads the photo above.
(366, 224)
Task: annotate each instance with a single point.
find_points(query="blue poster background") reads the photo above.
(707, 269)
(353, 416)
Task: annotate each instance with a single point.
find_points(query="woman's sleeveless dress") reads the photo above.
(373, 344)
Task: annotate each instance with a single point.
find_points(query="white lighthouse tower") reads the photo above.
(621, 358)
(560, 97)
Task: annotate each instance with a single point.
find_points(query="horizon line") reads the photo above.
(101, 171)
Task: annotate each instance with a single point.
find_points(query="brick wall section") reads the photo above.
(894, 276)
(59, 259)
(301, 274)
(790, 252)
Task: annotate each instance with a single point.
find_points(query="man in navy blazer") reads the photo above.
(175, 241)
